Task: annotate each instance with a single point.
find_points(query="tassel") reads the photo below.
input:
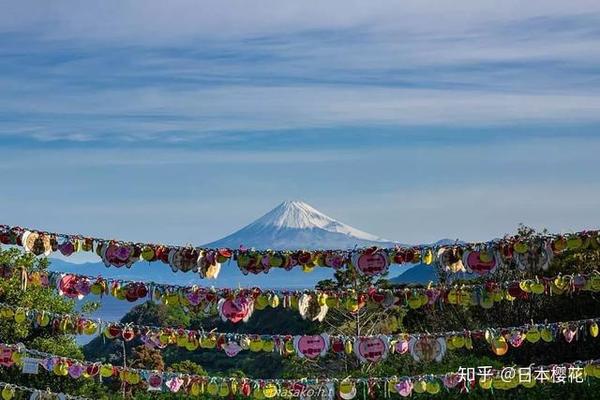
(24, 278)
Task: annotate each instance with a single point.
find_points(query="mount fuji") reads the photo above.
(297, 225)
(290, 225)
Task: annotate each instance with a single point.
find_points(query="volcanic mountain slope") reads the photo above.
(297, 225)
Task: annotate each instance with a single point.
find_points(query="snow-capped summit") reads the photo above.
(298, 214)
(297, 225)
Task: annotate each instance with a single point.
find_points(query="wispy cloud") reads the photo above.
(189, 71)
(148, 114)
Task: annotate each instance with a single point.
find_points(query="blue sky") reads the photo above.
(182, 121)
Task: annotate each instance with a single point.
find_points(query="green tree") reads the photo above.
(14, 264)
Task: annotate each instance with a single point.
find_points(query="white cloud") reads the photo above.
(188, 114)
(172, 71)
(154, 20)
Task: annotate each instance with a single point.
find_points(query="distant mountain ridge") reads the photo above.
(420, 273)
